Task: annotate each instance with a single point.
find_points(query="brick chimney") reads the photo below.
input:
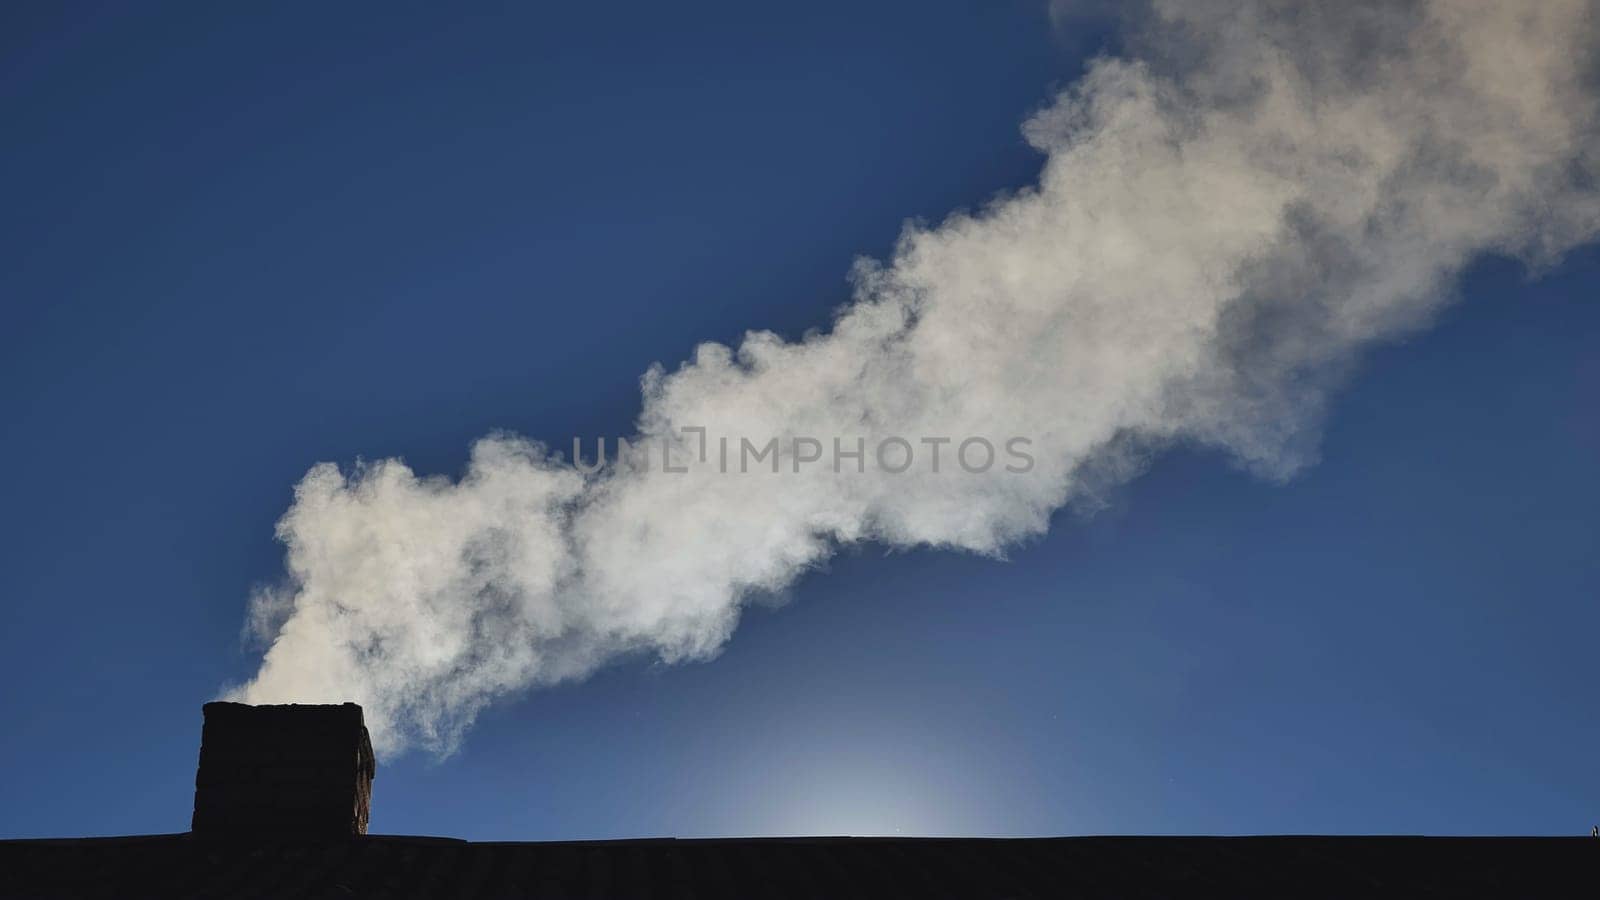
(283, 771)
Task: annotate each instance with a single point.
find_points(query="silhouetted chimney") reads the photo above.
(283, 771)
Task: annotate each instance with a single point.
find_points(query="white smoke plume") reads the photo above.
(1223, 220)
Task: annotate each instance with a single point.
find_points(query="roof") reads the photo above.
(184, 865)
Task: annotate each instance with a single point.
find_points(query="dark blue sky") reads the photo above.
(238, 242)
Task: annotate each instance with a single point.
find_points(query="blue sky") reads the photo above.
(242, 242)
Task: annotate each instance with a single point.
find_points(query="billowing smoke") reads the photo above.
(1223, 220)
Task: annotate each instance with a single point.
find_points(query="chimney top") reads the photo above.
(283, 771)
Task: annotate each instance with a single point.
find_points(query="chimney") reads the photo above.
(283, 771)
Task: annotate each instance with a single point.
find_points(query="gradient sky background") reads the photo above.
(238, 242)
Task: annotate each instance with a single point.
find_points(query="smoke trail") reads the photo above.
(1221, 223)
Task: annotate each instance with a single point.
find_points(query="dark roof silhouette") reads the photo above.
(282, 795)
(188, 865)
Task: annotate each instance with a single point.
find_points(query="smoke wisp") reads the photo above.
(1223, 219)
